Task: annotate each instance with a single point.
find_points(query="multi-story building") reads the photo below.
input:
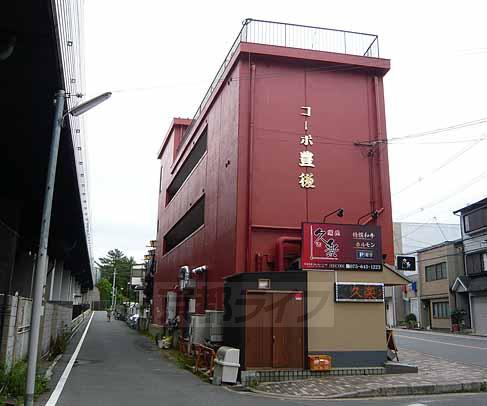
(290, 130)
(472, 287)
(439, 266)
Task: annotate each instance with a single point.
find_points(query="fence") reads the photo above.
(56, 319)
(292, 36)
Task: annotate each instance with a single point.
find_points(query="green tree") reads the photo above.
(105, 288)
(116, 259)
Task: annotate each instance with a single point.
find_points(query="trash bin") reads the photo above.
(226, 365)
(319, 362)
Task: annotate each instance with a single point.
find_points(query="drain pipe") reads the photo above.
(280, 250)
(198, 271)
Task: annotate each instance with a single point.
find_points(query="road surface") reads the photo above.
(118, 366)
(465, 349)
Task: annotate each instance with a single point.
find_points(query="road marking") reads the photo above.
(64, 377)
(440, 342)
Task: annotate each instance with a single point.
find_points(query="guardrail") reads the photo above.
(292, 36)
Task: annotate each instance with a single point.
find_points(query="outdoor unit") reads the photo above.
(214, 320)
(197, 329)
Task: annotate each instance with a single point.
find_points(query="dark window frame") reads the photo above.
(200, 148)
(441, 310)
(188, 224)
(482, 212)
(436, 272)
(476, 262)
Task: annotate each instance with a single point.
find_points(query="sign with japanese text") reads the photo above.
(359, 292)
(347, 247)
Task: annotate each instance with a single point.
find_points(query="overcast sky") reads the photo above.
(438, 52)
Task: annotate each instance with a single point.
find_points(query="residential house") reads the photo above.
(439, 266)
(471, 288)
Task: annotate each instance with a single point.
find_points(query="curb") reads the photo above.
(405, 390)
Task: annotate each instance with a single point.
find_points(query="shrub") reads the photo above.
(411, 320)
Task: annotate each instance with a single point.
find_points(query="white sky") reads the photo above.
(438, 52)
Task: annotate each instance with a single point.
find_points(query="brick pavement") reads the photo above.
(434, 375)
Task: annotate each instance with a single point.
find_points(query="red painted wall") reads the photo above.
(254, 128)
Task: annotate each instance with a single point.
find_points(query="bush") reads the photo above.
(13, 383)
(411, 320)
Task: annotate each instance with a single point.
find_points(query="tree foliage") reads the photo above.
(105, 288)
(116, 259)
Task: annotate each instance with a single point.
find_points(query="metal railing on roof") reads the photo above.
(292, 36)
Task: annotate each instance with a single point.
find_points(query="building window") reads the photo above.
(188, 165)
(476, 263)
(441, 310)
(476, 220)
(436, 272)
(189, 223)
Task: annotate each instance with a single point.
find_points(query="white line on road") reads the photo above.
(64, 377)
(442, 342)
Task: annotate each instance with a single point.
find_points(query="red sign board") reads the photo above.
(348, 247)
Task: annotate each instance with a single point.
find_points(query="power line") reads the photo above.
(435, 203)
(437, 169)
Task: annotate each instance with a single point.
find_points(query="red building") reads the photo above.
(292, 128)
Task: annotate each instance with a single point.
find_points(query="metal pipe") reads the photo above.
(42, 253)
(250, 160)
(280, 250)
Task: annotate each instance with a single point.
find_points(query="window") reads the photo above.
(441, 310)
(188, 224)
(476, 262)
(436, 272)
(189, 164)
(475, 220)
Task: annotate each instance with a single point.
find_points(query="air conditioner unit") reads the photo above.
(214, 320)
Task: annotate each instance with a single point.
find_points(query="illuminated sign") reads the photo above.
(359, 292)
(348, 247)
(406, 263)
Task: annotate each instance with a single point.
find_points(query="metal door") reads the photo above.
(479, 314)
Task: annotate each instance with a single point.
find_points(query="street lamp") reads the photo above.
(41, 263)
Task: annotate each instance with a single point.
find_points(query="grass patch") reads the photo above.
(13, 382)
(58, 346)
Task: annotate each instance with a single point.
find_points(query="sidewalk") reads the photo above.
(435, 376)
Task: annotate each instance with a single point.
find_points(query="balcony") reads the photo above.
(292, 36)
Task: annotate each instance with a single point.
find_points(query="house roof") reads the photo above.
(441, 244)
(472, 206)
(465, 283)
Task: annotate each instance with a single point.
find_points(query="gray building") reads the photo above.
(439, 266)
(472, 287)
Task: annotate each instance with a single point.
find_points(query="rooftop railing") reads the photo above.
(292, 36)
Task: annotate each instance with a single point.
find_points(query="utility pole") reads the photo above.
(114, 291)
(42, 260)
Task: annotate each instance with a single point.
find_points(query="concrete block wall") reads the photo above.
(15, 335)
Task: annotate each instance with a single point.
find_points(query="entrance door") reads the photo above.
(274, 330)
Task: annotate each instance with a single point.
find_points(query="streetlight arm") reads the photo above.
(89, 104)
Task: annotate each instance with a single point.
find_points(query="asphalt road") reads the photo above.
(465, 349)
(118, 366)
